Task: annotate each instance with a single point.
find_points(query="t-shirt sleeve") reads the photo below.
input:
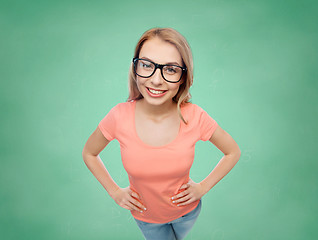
(108, 125)
(207, 125)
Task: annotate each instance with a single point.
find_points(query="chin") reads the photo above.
(156, 102)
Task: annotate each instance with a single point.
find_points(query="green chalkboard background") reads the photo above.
(64, 65)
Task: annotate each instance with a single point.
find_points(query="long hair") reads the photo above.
(171, 36)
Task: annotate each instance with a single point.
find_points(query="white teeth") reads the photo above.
(155, 91)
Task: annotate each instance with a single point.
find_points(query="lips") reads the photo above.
(156, 92)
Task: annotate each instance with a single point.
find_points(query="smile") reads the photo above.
(156, 93)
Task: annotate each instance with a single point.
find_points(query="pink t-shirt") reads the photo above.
(157, 173)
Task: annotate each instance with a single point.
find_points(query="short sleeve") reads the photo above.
(108, 125)
(207, 125)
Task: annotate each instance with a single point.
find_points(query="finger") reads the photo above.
(125, 206)
(138, 204)
(191, 200)
(184, 186)
(183, 199)
(131, 206)
(135, 195)
(182, 194)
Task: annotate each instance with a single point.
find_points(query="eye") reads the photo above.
(171, 69)
(145, 65)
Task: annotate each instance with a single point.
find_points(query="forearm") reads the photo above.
(98, 169)
(224, 166)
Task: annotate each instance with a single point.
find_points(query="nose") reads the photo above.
(156, 78)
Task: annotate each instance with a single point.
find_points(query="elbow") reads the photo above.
(233, 156)
(85, 155)
(237, 154)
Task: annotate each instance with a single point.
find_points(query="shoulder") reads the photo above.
(191, 109)
(125, 104)
(122, 107)
(120, 110)
(195, 114)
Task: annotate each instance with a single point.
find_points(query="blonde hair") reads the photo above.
(172, 36)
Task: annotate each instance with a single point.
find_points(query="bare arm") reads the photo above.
(226, 144)
(194, 191)
(122, 196)
(94, 145)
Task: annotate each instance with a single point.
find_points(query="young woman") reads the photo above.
(157, 129)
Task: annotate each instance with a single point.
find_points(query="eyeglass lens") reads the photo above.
(145, 68)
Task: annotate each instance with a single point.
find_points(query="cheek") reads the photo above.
(175, 87)
(139, 82)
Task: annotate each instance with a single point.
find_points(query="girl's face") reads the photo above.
(155, 90)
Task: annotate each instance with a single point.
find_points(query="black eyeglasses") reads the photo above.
(146, 68)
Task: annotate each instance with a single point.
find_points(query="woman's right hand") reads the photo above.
(128, 199)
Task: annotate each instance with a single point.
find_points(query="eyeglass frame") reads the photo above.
(160, 66)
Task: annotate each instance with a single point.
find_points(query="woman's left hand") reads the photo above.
(192, 192)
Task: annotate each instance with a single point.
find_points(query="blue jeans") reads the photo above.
(174, 230)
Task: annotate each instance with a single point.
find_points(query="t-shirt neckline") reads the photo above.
(151, 146)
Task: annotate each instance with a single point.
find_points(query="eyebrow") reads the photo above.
(168, 63)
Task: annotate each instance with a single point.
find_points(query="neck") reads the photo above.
(159, 111)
